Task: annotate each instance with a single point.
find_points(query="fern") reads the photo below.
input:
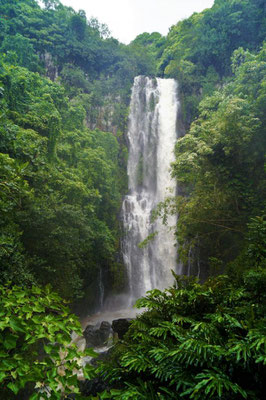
(194, 342)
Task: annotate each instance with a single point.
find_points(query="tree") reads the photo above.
(22, 50)
(14, 190)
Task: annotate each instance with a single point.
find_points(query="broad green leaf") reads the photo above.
(2, 376)
(14, 387)
(10, 341)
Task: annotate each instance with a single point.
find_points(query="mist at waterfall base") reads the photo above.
(152, 135)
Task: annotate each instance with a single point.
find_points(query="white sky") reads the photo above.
(128, 18)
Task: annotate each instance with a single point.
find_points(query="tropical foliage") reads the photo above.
(194, 342)
(38, 360)
(60, 185)
(198, 49)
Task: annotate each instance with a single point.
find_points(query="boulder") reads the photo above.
(121, 326)
(104, 331)
(95, 336)
(91, 335)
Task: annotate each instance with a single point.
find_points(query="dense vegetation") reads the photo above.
(36, 353)
(60, 191)
(194, 342)
(198, 50)
(64, 96)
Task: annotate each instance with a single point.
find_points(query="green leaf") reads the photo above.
(10, 341)
(16, 325)
(14, 387)
(72, 380)
(2, 376)
(48, 348)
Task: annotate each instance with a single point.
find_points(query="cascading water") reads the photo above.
(152, 136)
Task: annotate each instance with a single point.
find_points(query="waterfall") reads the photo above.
(151, 136)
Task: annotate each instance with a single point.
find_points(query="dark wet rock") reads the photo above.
(91, 336)
(105, 330)
(97, 336)
(103, 356)
(121, 326)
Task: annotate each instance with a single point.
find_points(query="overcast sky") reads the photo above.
(128, 18)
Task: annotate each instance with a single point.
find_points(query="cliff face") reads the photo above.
(51, 69)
